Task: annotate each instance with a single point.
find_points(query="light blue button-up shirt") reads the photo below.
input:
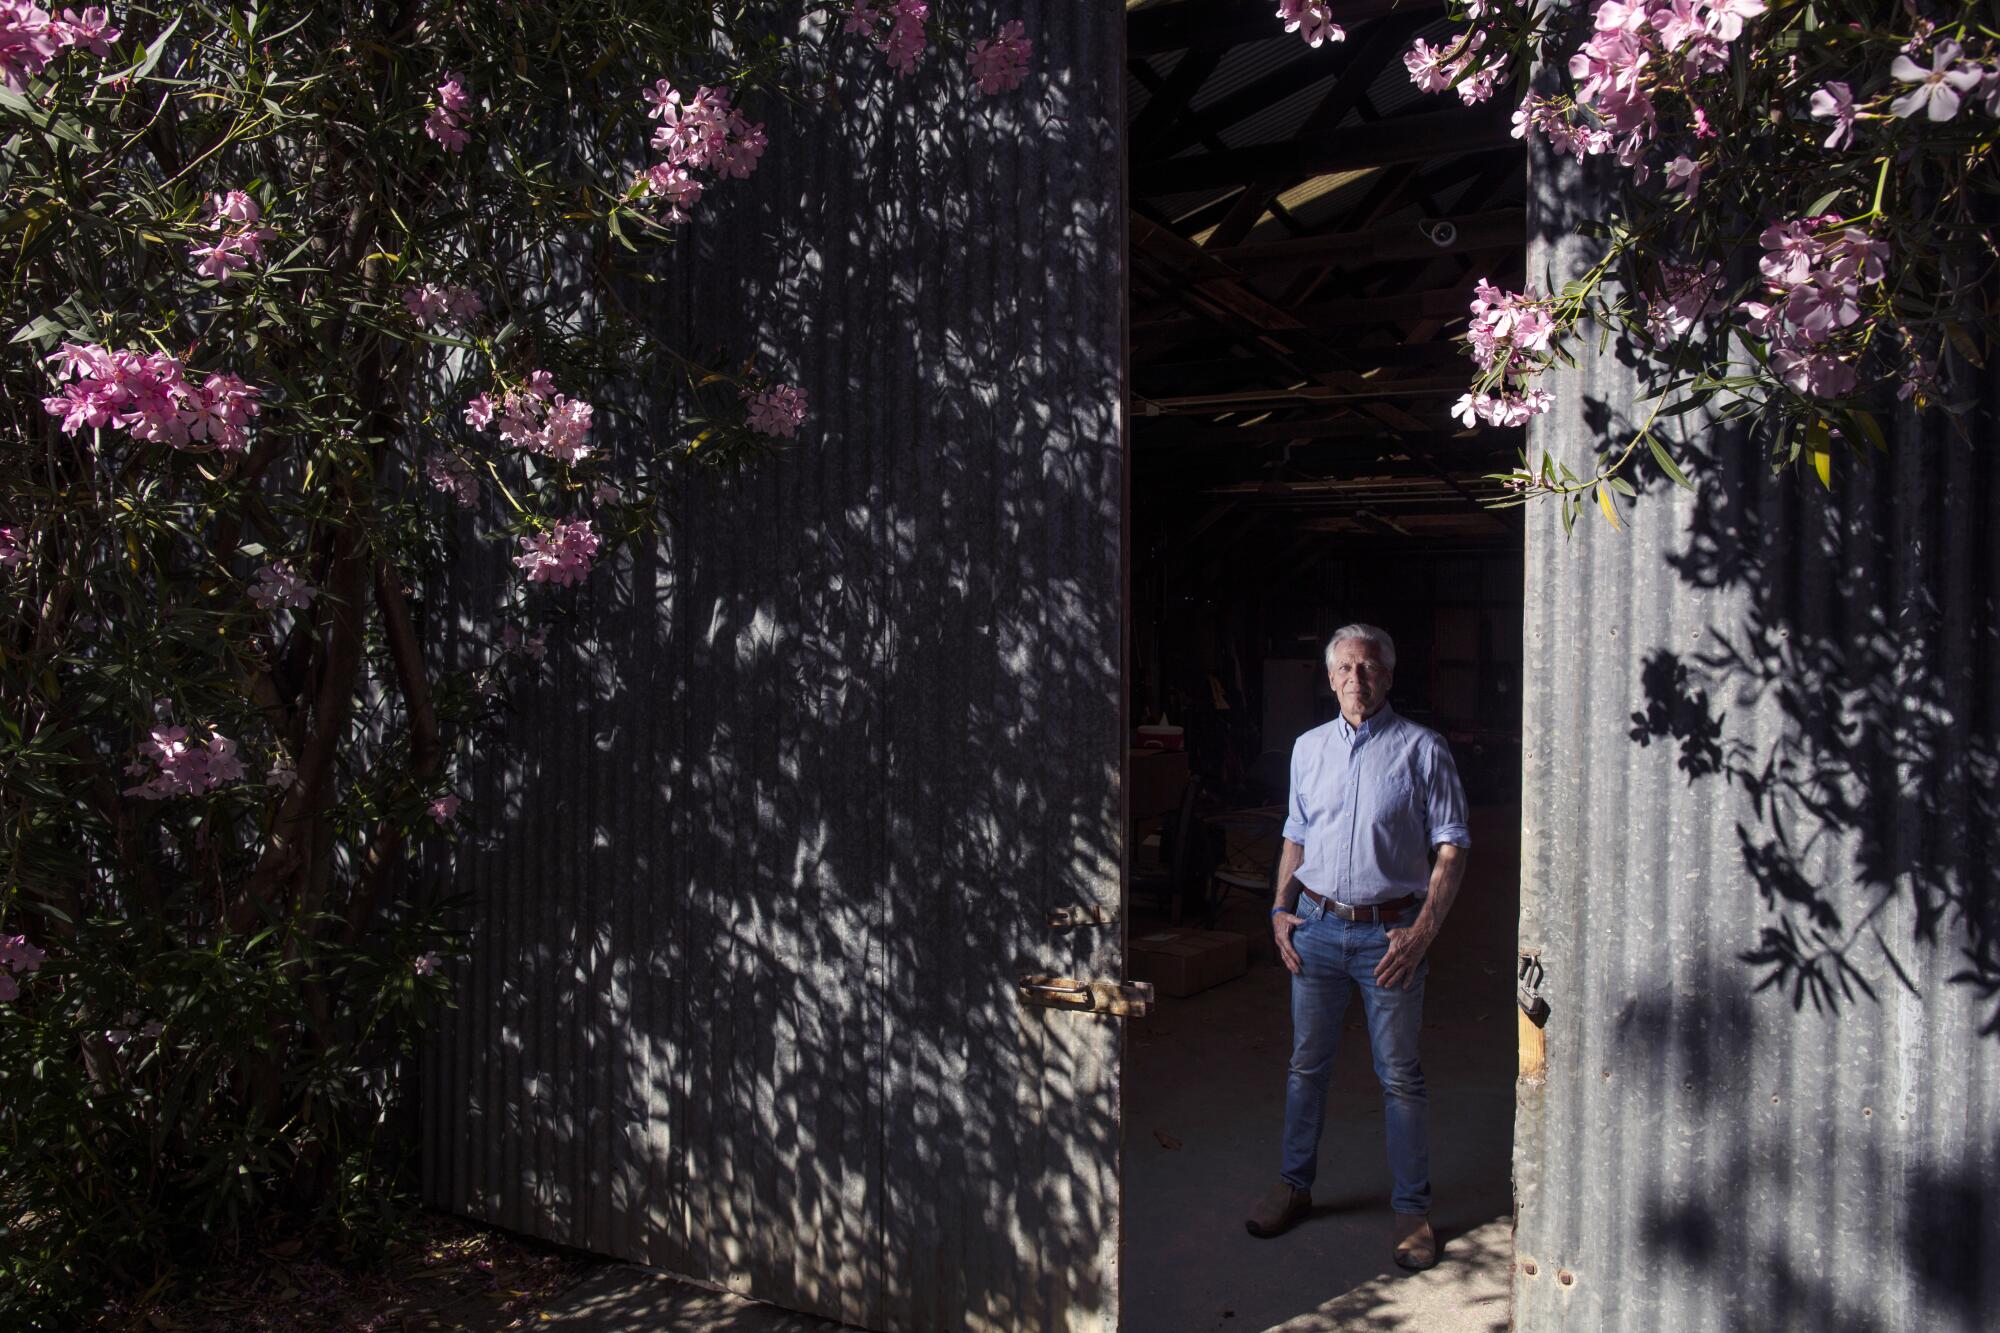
(1368, 803)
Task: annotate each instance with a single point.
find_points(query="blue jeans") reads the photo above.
(1336, 956)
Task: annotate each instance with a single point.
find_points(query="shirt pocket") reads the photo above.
(1393, 798)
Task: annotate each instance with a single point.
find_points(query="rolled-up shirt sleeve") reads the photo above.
(1444, 799)
(1295, 805)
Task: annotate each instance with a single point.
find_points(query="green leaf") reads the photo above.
(41, 326)
(1666, 462)
(1872, 429)
(154, 49)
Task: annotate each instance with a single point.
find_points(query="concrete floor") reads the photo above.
(1204, 1106)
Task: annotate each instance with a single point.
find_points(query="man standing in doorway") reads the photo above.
(1359, 902)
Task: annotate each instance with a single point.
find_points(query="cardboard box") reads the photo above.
(1182, 961)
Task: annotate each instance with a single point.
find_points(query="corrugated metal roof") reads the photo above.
(1763, 795)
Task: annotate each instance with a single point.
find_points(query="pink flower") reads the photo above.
(776, 411)
(693, 133)
(181, 768)
(861, 17)
(533, 646)
(1508, 408)
(278, 584)
(426, 304)
(1726, 17)
(1618, 16)
(606, 493)
(701, 133)
(452, 475)
(1815, 374)
(451, 95)
(90, 30)
(28, 41)
(219, 410)
(234, 206)
(566, 430)
(1429, 69)
(676, 185)
(17, 955)
(1684, 174)
(443, 808)
(538, 419)
(1564, 135)
(425, 964)
(431, 305)
(1312, 20)
(1686, 296)
(12, 553)
(1939, 88)
(1001, 64)
(240, 242)
(449, 101)
(745, 145)
(222, 260)
(903, 45)
(441, 127)
(149, 397)
(1814, 280)
(561, 556)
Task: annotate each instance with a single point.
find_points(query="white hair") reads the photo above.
(1384, 645)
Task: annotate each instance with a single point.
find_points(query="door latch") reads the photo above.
(1092, 914)
(1122, 999)
(1528, 989)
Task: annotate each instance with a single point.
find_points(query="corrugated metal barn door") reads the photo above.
(1761, 802)
(799, 793)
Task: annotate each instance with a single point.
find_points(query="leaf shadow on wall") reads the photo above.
(1854, 705)
(789, 818)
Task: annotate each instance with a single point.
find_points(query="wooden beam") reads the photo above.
(1250, 400)
(1286, 80)
(1388, 143)
(1169, 106)
(1337, 314)
(1178, 432)
(1375, 245)
(1384, 356)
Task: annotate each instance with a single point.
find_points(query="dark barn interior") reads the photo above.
(1306, 229)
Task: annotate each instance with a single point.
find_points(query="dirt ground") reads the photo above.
(450, 1274)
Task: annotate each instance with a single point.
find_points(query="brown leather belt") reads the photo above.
(1387, 913)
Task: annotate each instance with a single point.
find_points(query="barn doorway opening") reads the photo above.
(1306, 228)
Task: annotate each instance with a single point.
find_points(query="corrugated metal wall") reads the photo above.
(1762, 801)
(795, 802)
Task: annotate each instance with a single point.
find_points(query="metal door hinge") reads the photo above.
(1123, 999)
(1095, 914)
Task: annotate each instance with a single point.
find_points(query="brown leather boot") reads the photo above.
(1279, 1210)
(1416, 1243)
